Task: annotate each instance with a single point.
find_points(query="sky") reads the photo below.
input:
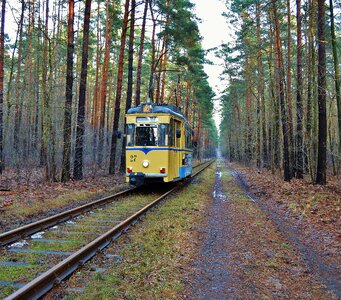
(215, 31)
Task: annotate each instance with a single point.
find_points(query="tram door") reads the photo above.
(173, 153)
(178, 146)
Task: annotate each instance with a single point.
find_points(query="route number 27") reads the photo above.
(133, 158)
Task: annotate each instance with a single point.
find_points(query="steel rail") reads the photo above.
(42, 284)
(29, 229)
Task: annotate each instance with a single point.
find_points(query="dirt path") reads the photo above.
(243, 253)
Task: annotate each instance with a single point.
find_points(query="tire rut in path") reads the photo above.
(243, 255)
(213, 280)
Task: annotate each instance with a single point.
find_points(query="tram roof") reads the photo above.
(156, 109)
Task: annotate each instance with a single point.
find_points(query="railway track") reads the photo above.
(32, 266)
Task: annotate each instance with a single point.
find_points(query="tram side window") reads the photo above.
(130, 134)
(146, 136)
(163, 137)
(177, 140)
(171, 133)
(188, 139)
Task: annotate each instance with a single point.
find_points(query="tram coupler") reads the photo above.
(137, 179)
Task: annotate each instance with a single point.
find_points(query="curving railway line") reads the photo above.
(55, 247)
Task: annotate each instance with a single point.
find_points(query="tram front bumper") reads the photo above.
(139, 178)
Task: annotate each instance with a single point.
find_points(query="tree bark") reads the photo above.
(336, 74)
(45, 98)
(118, 90)
(164, 60)
(309, 140)
(286, 165)
(321, 94)
(68, 96)
(248, 133)
(260, 90)
(139, 65)
(104, 80)
(17, 116)
(153, 64)
(289, 96)
(95, 104)
(131, 56)
(299, 109)
(78, 163)
(130, 76)
(2, 50)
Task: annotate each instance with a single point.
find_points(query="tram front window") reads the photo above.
(146, 136)
(130, 134)
(152, 135)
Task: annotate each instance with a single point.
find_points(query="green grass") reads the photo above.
(153, 253)
(22, 274)
(21, 210)
(7, 290)
(70, 245)
(16, 273)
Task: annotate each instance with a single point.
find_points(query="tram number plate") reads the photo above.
(133, 158)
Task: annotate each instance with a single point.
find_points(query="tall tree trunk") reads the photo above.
(198, 135)
(286, 165)
(45, 96)
(178, 92)
(274, 125)
(248, 132)
(119, 90)
(68, 96)
(95, 105)
(104, 80)
(38, 123)
(336, 74)
(299, 133)
(260, 90)
(321, 84)
(78, 163)
(261, 94)
(30, 84)
(164, 60)
(309, 139)
(2, 50)
(49, 117)
(289, 96)
(139, 65)
(130, 76)
(153, 64)
(9, 86)
(131, 55)
(18, 90)
(163, 69)
(188, 97)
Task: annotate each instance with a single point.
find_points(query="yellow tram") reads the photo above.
(158, 144)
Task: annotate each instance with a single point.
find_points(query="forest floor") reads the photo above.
(258, 237)
(267, 239)
(25, 198)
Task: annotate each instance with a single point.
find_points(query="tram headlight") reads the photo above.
(145, 163)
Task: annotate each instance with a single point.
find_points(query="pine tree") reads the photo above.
(68, 96)
(78, 162)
